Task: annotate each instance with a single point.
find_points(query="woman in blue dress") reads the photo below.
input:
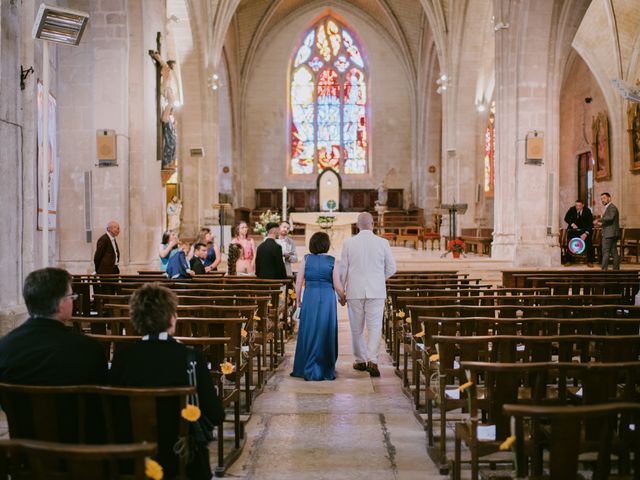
(317, 345)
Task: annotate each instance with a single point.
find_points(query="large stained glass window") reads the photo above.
(329, 103)
(490, 153)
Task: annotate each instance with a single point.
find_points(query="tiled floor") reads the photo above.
(354, 427)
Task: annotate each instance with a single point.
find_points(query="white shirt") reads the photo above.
(113, 244)
(365, 265)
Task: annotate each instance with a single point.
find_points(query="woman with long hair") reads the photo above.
(167, 249)
(247, 262)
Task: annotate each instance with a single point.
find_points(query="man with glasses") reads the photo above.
(43, 350)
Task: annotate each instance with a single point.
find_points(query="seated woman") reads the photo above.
(247, 262)
(158, 360)
(167, 249)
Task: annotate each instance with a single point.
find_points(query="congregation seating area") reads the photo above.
(498, 373)
(240, 324)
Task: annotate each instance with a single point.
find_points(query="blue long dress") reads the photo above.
(317, 345)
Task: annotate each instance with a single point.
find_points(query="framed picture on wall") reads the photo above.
(633, 130)
(600, 147)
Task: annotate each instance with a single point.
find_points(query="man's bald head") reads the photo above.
(365, 221)
(113, 228)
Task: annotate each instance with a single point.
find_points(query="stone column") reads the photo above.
(525, 194)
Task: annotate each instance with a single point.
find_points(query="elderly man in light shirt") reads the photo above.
(288, 246)
(365, 265)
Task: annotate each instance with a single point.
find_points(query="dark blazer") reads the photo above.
(197, 266)
(178, 266)
(43, 351)
(163, 363)
(105, 258)
(584, 221)
(269, 261)
(611, 222)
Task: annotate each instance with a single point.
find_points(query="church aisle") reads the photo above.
(354, 427)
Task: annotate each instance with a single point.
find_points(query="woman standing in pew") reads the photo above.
(317, 345)
(158, 360)
(167, 249)
(247, 262)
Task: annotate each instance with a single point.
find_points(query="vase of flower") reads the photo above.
(456, 247)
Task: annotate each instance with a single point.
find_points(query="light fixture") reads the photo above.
(214, 82)
(443, 83)
(59, 25)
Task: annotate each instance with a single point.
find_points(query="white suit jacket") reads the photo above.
(365, 265)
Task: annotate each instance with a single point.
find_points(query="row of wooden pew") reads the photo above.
(239, 323)
(548, 339)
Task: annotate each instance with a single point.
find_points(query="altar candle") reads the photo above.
(284, 203)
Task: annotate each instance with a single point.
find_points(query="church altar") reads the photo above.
(339, 231)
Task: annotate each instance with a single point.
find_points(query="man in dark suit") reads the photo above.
(43, 351)
(610, 223)
(269, 261)
(199, 256)
(107, 256)
(580, 224)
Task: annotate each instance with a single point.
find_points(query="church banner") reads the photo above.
(51, 159)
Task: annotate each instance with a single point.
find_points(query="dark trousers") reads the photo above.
(610, 247)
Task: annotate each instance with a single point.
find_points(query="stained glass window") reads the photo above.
(328, 102)
(489, 153)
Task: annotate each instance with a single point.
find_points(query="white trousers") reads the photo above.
(367, 311)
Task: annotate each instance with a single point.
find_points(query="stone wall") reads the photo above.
(265, 112)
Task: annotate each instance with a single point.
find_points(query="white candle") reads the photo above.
(284, 203)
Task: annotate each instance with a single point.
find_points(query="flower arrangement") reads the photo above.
(266, 217)
(325, 221)
(153, 469)
(455, 246)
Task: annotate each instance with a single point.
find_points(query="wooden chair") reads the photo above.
(98, 414)
(565, 437)
(37, 460)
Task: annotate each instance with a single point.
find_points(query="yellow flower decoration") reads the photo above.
(293, 295)
(419, 335)
(226, 368)
(434, 358)
(257, 318)
(269, 304)
(401, 314)
(152, 469)
(190, 412)
(408, 320)
(243, 333)
(506, 445)
(291, 291)
(464, 386)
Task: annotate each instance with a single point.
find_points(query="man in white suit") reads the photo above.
(365, 265)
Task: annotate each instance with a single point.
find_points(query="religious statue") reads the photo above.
(174, 208)
(382, 194)
(168, 89)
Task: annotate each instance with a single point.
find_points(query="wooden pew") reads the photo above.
(564, 438)
(38, 460)
(478, 240)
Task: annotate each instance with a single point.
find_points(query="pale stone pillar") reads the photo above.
(525, 195)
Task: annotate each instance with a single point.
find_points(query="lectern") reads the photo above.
(454, 209)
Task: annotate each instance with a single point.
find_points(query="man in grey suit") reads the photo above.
(610, 223)
(365, 265)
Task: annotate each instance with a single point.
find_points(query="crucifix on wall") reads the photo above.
(166, 138)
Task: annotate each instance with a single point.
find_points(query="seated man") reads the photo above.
(43, 351)
(178, 266)
(198, 259)
(580, 224)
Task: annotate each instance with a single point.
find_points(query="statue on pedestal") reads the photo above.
(174, 208)
(382, 194)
